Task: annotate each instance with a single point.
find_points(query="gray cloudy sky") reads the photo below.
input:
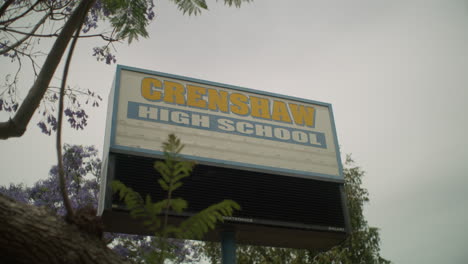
(394, 71)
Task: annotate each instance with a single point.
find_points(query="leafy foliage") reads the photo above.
(129, 18)
(197, 225)
(191, 6)
(155, 214)
(194, 7)
(236, 3)
(361, 247)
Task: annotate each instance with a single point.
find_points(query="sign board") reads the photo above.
(223, 125)
(275, 155)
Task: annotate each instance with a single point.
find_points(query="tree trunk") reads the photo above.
(30, 234)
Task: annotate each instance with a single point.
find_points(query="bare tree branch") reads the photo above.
(21, 15)
(104, 37)
(5, 6)
(16, 126)
(61, 172)
(27, 36)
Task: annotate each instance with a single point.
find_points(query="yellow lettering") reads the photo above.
(148, 86)
(194, 96)
(303, 114)
(174, 93)
(280, 112)
(218, 100)
(260, 107)
(239, 104)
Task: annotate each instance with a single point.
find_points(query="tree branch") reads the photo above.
(104, 37)
(17, 126)
(27, 36)
(21, 15)
(61, 172)
(5, 6)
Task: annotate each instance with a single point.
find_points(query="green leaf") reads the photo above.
(128, 17)
(191, 6)
(179, 205)
(236, 3)
(163, 185)
(196, 226)
(153, 214)
(176, 186)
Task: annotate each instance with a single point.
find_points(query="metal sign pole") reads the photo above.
(228, 247)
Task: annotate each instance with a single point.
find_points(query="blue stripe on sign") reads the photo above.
(233, 126)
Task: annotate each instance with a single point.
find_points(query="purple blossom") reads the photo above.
(103, 54)
(48, 123)
(75, 115)
(82, 169)
(18, 192)
(52, 121)
(92, 19)
(44, 128)
(110, 58)
(78, 119)
(150, 11)
(8, 101)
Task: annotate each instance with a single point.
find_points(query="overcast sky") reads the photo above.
(396, 73)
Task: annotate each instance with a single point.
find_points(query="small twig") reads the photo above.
(104, 37)
(19, 42)
(21, 15)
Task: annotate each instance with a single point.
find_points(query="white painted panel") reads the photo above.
(275, 143)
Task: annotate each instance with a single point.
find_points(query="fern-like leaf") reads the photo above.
(132, 199)
(155, 214)
(163, 185)
(236, 3)
(196, 226)
(128, 18)
(163, 169)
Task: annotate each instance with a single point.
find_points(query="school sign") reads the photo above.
(234, 131)
(224, 124)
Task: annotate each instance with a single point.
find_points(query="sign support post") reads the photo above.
(228, 247)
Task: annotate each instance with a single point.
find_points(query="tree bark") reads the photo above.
(30, 234)
(16, 126)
